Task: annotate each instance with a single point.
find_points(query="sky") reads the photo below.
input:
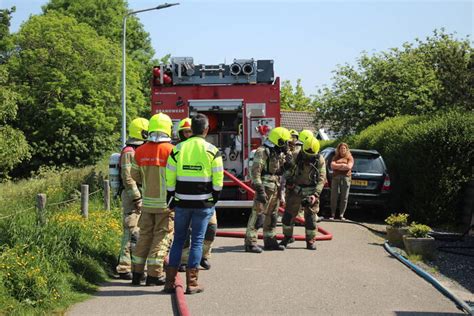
(306, 39)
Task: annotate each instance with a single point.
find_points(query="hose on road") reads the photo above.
(459, 303)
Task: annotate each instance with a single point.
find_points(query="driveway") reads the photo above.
(350, 275)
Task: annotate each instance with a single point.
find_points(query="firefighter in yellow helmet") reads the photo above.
(294, 139)
(131, 196)
(268, 165)
(304, 135)
(184, 129)
(304, 183)
(156, 221)
(184, 132)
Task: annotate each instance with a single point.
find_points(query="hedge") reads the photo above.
(430, 160)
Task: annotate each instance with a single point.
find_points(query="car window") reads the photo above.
(367, 164)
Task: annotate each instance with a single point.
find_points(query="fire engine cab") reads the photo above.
(241, 100)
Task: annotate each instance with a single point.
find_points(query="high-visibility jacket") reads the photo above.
(148, 169)
(195, 173)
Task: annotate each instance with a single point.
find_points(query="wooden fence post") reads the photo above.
(85, 200)
(40, 206)
(106, 195)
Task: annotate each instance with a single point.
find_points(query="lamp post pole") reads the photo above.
(124, 68)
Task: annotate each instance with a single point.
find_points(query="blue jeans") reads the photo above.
(198, 218)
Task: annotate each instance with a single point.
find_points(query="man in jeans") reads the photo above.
(194, 180)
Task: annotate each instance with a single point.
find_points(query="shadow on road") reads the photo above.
(225, 249)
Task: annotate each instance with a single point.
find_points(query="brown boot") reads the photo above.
(170, 284)
(192, 286)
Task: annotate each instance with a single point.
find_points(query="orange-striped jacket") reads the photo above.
(148, 169)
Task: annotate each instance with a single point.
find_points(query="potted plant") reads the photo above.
(419, 242)
(397, 227)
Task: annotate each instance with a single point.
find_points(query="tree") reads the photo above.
(106, 16)
(297, 100)
(430, 76)
(68, 78)
(13, 146)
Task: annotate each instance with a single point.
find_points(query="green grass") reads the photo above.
(45, 269)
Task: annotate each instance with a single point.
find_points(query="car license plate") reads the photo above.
(360, 183)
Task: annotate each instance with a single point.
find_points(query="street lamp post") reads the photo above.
(124, 72)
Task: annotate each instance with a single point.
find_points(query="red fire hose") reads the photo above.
(183, 309)
(325, 234)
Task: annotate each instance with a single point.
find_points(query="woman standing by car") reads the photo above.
(341, 166)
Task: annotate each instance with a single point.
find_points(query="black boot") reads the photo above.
(205, 264)
(136, 278)
(253, 248)
(286, 240)
(125, 276)
(272, 244)
(311, 245)
(159, 280)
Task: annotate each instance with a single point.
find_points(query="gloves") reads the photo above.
(170, 200)
(313, 199)
(260, 194)
(215, 196)
(138, 204)
(288, 161)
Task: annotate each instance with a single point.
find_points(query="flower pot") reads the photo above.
(395, 235)
(424, 247)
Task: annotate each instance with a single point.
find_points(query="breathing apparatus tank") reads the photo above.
(114, 174)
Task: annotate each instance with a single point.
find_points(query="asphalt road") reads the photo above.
(350, 275)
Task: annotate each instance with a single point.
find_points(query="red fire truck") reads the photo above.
(241, 100)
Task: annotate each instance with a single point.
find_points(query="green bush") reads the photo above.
(418, 230)
(397, 220)
(429, 160)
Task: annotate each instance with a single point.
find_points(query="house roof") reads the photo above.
(298, 120)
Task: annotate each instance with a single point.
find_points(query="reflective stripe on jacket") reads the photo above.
(194, 171)
(148, 169)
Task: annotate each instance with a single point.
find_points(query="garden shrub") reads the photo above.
(429, 160)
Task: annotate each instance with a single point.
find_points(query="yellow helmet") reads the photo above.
(305, 134)
(184, 124)
(160, 123)
(279, 136)
(293, 132)
(311, 146)
(138, 128)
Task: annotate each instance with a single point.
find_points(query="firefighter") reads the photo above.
(131, 196)
(266, 173)
(305, 134)
(184, 129)
(294, 144)
(184, 132)
(304, 183)
(156, 221)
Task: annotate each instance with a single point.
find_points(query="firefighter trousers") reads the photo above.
(293, 206)
(130, 233)
(156, 233)
(208, 241)
(263, 215)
